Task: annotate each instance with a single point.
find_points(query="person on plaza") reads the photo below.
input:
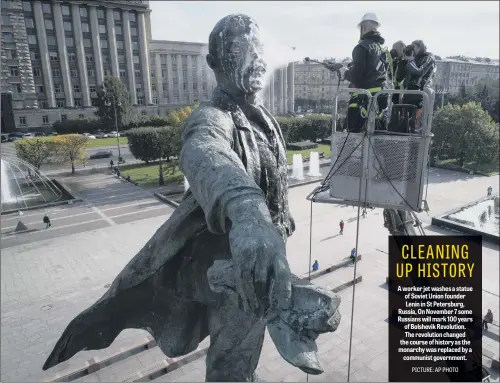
(46, 221)
(490, 189)
(397, 72)
(420, 72)
(315, 266)
(363, 214)
(111, 163)
(353, 255)
(368, 70)
(488, 318)
(341, 225)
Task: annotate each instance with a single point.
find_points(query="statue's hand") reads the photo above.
(263, 277)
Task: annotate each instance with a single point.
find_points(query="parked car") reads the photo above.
(101, 135)
(28, 135)
(89, 136)
(113, 134)
(40, 134)
(15, 136)
(5, 137)
(101, 154)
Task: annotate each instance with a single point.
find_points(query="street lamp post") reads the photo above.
(115, 104)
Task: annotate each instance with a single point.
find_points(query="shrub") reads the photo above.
(309, 128)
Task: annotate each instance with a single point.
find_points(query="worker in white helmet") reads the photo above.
(368, 70)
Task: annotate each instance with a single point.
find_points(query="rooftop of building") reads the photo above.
(466, 60)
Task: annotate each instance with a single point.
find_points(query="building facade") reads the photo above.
(278, 94)
(452, 74)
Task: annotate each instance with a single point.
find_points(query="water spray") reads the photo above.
(333, 67)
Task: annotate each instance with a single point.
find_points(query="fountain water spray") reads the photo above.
(314, 165)
(297, 167)
(5, 190)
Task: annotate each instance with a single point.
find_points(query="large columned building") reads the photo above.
(278, 95)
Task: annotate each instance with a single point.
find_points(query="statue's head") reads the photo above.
(235, 54)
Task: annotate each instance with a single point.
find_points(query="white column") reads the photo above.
(285, 89)
(180, 79)
(129, 56)
(144, 54)
(291, 87)
(94, 27)
(280, 93)
(199, 81)
(170, 80)
(44, 54)
(80, 53)
(190, 78)
(159, 80)
(271, 93)
(63, 55)
(115, 68)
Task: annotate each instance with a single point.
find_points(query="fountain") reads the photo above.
(186, 185)
(297, 167)
(314, 165)
(23, 186)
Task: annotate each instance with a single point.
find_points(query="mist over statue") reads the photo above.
(217, 267)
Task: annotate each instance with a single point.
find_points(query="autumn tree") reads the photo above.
(71, 148)
(36, 151)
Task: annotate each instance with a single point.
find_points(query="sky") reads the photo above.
(322, 29)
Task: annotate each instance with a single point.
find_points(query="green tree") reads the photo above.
(36, 151)
(71, 148)
(466, 133)
(112, 97)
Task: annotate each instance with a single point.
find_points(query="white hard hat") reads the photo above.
(370, 17)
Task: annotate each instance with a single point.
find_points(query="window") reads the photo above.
(87, 43)
(57, 88)
(137, 73)
(153, 74)
(89, 59)
(32, 39)
(81, 116)
(14, 71)
(165, 86)
(90, 72)
(22, 120)
(155, 100)
(106, 72)
(102, 28)
(46, 8)
(11, 53)
(163, 73)
(5, 20)
(136, 59)
(133, 31)
(70, 42)
(56, 72)
(65, 10)
(85, 27)
(45, 119)
(26, 6)
(135, 46)
(83, 12)
(118, 29)
(49, 24)
(93, 101)
(153, 87)
(40, 89)
(60, 104)
(64, 117)
(105, 58)
(76, 88)
(104, 43)
(72, 57)
(121, 59)
(204, 86)
(123, 73)
(185, 73)
(68, 26)
(116, 15)
(74, 72)
(19, 88)
(7, 37)
(92, 88)
(51, 40)
(185, 86)
(132, 16)
(144, 113)
(101, 14)
(119, 44)
(195, 85)
(37, 72)
(53, 56)
(138, 88)
(30, 23)
(140, 101)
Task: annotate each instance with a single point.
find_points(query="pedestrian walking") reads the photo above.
(490, 189)
(488, 318)
(46, 221)
(341, 225)
(364, 213)
(353, 255)
(315, 266)
(111, 163)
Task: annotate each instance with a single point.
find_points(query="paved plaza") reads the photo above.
(47, 281)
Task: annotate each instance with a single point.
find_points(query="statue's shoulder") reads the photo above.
(208, 111)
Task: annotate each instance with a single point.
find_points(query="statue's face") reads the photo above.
(243, 64)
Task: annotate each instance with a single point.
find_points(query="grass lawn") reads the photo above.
(306, 153)
(111, 141)
(490, 168)
(147, 175)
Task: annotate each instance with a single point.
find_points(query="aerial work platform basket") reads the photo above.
(380, 167)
